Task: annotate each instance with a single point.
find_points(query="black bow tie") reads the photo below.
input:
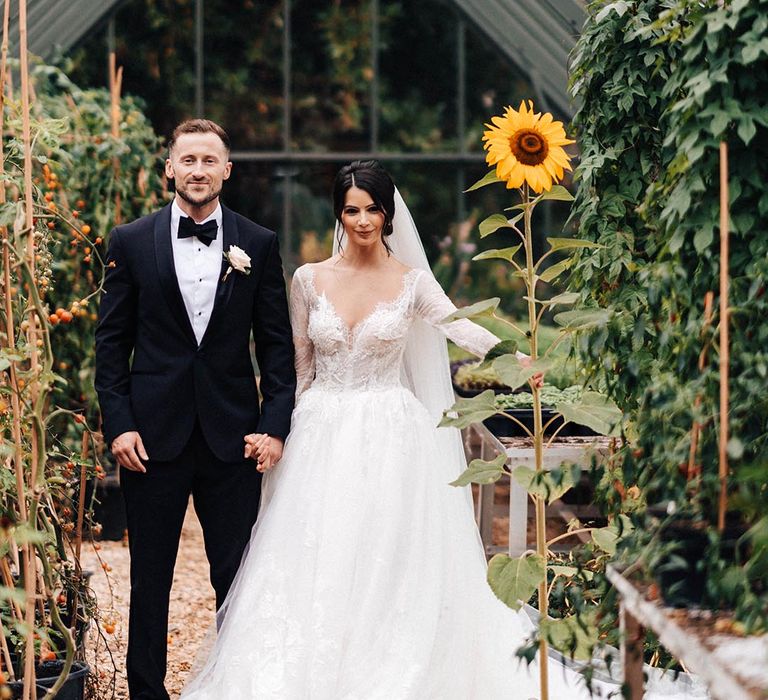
(205, 232)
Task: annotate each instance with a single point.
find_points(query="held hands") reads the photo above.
(265, 449)
(129, 451)
(538, 378)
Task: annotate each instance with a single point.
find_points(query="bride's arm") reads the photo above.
(304, 349)
(433, 305)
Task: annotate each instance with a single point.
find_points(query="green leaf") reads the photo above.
(544, 484)
(505, 347)
(564, 298)
(480, 308)
(501, 254)
(563, 243)
(514, 581)
(481, 472)
(16, 595)
(582, 319)
(571, 635)
(467, 411)
(605, 538)
(558, 193)
(493, 223)
(593, 410)
(488, 179)
(554, 271)
(514, 374)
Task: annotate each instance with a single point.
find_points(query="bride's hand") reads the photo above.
(265, 449)
(538, 378)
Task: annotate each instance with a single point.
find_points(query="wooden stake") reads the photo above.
(693, 469)
(115, 87)
(81, 502)
(724, 350)
(30, 579)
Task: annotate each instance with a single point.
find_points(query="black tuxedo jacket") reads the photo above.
(152, 376)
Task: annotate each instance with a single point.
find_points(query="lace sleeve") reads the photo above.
(304, 349)
(433, 305)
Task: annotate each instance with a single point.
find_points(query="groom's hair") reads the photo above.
(198, 126)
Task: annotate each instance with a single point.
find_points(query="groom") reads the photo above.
(184, 288)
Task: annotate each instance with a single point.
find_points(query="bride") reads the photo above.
(365, 577)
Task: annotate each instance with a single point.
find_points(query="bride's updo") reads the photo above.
(367, 175)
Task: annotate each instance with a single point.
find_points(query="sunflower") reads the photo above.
(527, 147)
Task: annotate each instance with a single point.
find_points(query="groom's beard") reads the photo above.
(199, 201)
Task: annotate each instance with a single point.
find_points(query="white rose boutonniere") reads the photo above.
(238, 260)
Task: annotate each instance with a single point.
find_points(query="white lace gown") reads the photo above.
(365, 577)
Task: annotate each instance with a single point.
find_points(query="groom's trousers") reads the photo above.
(226, 498)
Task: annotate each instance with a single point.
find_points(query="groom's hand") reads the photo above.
(266, 450)
(129, 451)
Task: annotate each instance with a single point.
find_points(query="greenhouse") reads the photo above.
(384, 349)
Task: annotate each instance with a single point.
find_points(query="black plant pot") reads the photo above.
(109, 510)
(678, 575)
(46, 675)
(504, 427)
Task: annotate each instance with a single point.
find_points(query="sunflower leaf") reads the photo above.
(498, 253)
(563, 243)
(514, 374)
(493, 223)
(488, 179)
(558, 193)
(564, 298)
(593, 410)
(505, 347)
(480, 308)
(554, 271)
(549, 485)
(514, 581)
(480, 471)
(467, 411)
(582, 319)
(571, 635)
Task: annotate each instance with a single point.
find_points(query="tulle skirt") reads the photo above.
(365, 576)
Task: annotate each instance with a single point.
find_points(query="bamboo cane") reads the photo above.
(724, 350)
(10, 341)
(6, 653)
(7, 576)
(30, 579)
(693, 470)
(115, 87)
(81, 502)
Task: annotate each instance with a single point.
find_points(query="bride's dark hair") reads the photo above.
(367, 175)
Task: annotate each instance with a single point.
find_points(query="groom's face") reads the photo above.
(199, 164)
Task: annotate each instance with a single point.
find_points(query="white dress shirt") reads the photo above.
(198, 268)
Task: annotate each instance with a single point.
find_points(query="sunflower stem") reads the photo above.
(538, 437)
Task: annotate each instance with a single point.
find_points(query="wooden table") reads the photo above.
(480, 442)
(705, 660)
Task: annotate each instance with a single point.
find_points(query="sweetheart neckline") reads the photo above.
(352, 330)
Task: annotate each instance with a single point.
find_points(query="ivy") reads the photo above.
(661, 84)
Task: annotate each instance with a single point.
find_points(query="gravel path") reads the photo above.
(192, 607)
(191, 614)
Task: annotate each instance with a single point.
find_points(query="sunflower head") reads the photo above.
(527, 147)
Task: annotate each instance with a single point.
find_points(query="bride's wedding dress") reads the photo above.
(365, 577)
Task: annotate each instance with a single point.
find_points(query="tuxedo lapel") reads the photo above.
(231, 236)
(166, 271)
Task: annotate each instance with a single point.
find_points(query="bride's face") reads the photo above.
(362, 219)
